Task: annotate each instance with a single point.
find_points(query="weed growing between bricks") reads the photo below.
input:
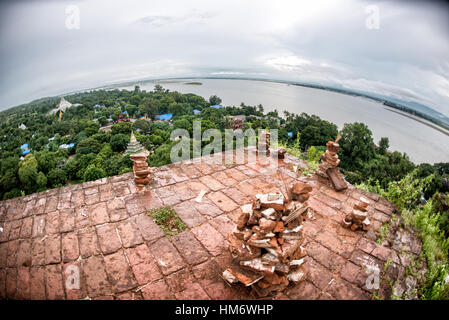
(168, 220)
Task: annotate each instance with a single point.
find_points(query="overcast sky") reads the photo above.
(42, 53)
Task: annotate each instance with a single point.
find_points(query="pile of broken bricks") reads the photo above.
(266, 243)
(358, 218)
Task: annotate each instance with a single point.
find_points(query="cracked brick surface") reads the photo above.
(97, 235)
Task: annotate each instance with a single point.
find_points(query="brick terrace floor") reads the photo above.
(101, 228)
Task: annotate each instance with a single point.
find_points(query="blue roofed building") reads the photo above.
(196, 111)
(24, 146)
(216, 106)
(25, 152)
(290, 134)
(165, 117)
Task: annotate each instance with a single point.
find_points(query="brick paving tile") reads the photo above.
(96, 279)
(11, 283)
(88, 242)
(67, 220)
(38, 252)
(13, 248)
(129, 295)
(354, 274)
(70, 247)
(119, 272)
(77, 198)
(108, 238)
(305, 290)
(51, 204)
(183, 191)
(149, 230)
(178, 174)
(53, 282)
(189, 214)
(106, 192)
(53, 249)
(82, 217)
(166, 256)
(180, 280)
(193, 292)
(134, 205)
(224, 178)
(196, 186)
(208, 275)
(207, 208)
(52, 223)
(24, 253)
(117, 210)
(222, 224)
(37, 283)
(14, 233)
(343, 290)
(74, 282)
(247, 188)
(318, 275)
(324, 256)
(237, 196)
(222, 201)
(143, 265)
(157, 291)
(191, 171)
(26, 228)
(189, 247)
(99, 214)
(236, 174)
(211, 183)
(23, 283)
(129, 233)
(3, 254)
(91, 199)
(2, 284)
(210, 239)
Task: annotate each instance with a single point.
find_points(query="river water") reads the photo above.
(421, 142)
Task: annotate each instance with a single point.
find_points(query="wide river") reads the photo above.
(421, 142)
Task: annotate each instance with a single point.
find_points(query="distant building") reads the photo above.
(164, 117)
(22, 126)
(216, 106)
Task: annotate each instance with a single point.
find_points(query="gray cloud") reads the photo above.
(323, 41)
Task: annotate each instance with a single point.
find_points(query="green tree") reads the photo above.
(94, 173)
(356, 146)
(56, 177)
(119, 142)
(214, 100)
(384, 143)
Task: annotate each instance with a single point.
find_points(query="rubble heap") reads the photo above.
(266, 243)
(263, 144)
(358, 218)
(139, 157)
(328, 167)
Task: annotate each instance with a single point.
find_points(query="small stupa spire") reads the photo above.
(134, 146)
